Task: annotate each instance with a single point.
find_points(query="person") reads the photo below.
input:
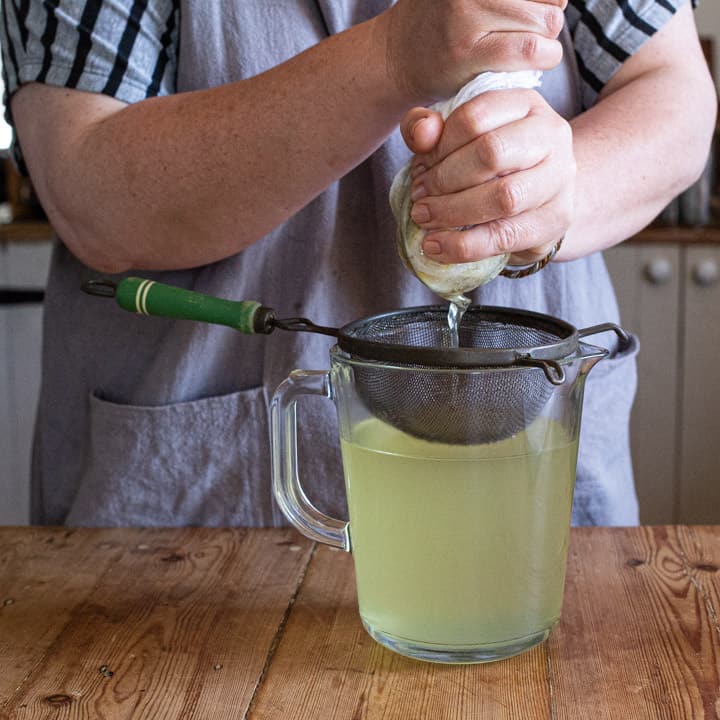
(246, 149)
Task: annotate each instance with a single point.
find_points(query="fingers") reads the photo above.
(483, 114)
(503, 197)
(512, 148)
(507, 51)
(545, 18)
(433, 47)
(528, 237)
(504, 167)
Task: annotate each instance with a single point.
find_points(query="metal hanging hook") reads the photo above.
(101, 288)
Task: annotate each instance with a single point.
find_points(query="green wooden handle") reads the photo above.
(148, 297)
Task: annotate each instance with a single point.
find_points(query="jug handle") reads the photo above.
(287, 489)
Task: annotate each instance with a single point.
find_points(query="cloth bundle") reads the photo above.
(450, 281)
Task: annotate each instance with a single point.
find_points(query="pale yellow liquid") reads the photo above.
(459, 545)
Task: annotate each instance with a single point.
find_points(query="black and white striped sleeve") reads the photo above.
(607, 32)
(126, 49)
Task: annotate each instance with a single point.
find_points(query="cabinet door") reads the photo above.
(7, 513)
(647, 282)
(699, 497)
(21, 266)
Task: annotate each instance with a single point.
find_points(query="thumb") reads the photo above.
(421, 129)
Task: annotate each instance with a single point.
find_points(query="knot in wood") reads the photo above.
(173, 557)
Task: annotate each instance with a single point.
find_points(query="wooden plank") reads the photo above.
(44, 574)
(701, 550)
(638, 639)
(180, 625)
(327, 667)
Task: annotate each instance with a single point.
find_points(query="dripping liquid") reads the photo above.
(456, 310)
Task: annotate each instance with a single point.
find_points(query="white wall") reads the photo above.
(707, 17)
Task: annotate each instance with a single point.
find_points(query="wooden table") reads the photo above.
(212, 624)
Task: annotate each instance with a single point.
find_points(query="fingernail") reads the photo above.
(420, 213)
(418, 192)
(415, 126)
(417, 170)
(432, 247)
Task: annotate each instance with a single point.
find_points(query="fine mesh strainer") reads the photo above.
(488, 388)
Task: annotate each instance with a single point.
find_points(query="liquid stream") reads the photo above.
(458, 305)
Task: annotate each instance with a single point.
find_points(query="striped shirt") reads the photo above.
(129, 50)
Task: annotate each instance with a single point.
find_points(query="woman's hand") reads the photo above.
(502, 166)
(433, 47)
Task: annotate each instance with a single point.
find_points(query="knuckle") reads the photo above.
(463, 248)
(505, 236)
(510, 195)
(529, 47)
(436, 182)
(468, 116)
(554, 20)
(530, 97)
(491, 150)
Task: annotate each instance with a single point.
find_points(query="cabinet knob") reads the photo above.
(706, 273)
(659, 271)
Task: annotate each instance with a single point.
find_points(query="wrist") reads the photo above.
(398, 83)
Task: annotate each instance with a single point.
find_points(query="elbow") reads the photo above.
(78, 230)
(102, 263)
(85, 245)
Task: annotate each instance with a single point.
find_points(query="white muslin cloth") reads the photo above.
(450, 281)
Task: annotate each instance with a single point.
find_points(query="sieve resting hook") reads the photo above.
(554, 372)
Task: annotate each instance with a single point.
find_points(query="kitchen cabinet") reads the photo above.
(23, 266)
(668, 288)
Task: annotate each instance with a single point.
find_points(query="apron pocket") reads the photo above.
(204, 462)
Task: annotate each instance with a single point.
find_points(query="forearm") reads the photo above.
(645, 141)
(185, 180)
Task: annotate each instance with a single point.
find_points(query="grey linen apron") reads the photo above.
(152, 421)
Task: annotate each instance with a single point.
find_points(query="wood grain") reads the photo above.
(637, 638)
(45, 574)
(327, 667)
(176, 624)
(262, 625)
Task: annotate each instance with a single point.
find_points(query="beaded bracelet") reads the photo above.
(532, 269)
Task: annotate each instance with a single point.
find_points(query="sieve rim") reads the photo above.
(338, 354)
(428, 357)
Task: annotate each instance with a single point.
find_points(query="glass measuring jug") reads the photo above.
(459, 549)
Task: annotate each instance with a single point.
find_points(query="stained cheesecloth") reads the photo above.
(450, 282)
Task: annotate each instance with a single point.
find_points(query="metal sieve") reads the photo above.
(500, 377)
